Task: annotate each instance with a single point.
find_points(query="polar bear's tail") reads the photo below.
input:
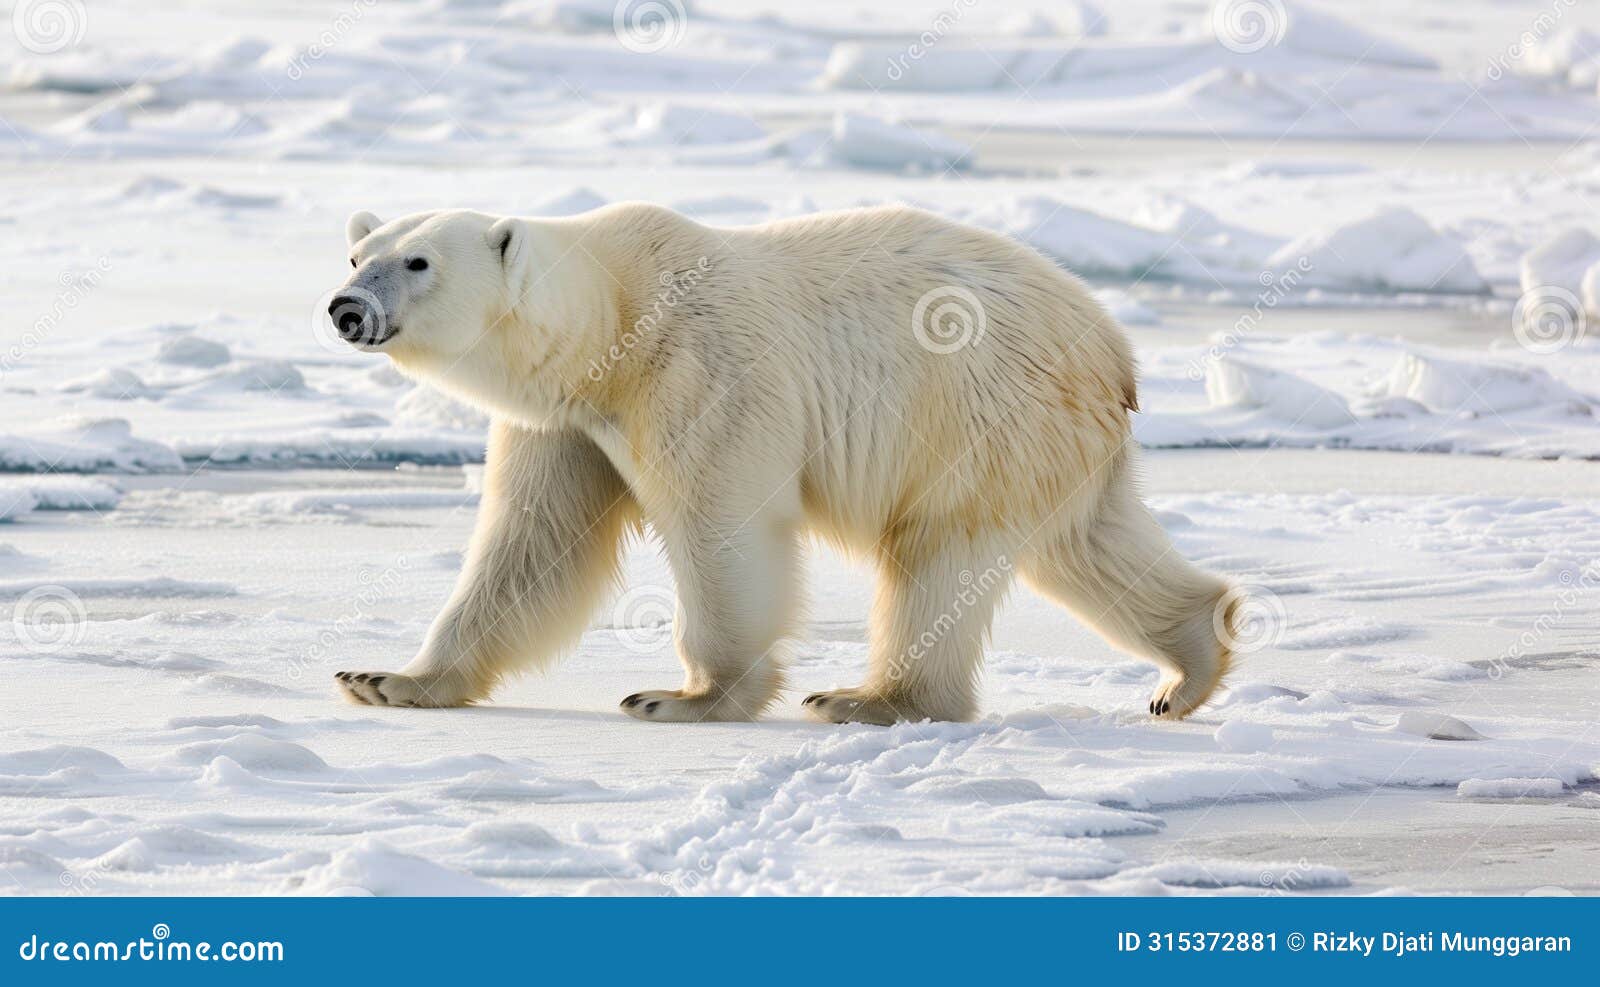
(1117, 571)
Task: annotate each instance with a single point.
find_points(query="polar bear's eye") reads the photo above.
(416, 264)
(352, 262)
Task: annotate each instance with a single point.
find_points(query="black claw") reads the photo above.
(342, 676)
(815, 697)
(650, 707)
(361, 676)
(1165, 705)
(632, 701)
(1152, 707)
(376, 680)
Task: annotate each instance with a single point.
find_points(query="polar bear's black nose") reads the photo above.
(349, 316)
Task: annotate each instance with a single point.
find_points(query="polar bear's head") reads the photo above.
(428, 286)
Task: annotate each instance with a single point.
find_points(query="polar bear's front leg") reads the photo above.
(737, 587)
(546, 549)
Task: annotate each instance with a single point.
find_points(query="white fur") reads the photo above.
(741, 388)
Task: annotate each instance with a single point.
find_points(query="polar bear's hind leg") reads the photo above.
(1120, 575)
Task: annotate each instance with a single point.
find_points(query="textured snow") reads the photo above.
(1365, 229)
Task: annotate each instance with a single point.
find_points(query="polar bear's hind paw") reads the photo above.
(380, 689)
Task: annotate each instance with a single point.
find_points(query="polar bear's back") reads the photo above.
(905, 363)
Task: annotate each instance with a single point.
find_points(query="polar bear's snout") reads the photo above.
(359, 319)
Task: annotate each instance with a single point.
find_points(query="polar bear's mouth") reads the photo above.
(385, 334)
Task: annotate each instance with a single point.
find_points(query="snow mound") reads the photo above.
(254, 753)
(673, 124)
(1240, 737)
(568, 203)
(87, 446)
(1435, 726)
(153, 587)
(1307, 29)
(1456, 386)
(1127, 309)
(63, 493)
(428, 407)
(371, 867)
(340, 502)
(15, 501)
(1395, 249)
(1083, 241)
(1561, 261)
(867, 142)
(193, 351)
(1569, 56)
(1233, 383)
(1283, 876)
(111, 384)
(1510, 788)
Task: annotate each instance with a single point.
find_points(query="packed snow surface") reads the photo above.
(1355, 248)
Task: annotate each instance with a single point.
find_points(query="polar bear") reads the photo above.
(938, 399)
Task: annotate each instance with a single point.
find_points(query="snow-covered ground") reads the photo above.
(1357, 247)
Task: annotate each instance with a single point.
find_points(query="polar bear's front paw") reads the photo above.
(384, 689)
(1175, 697)
(855, 706)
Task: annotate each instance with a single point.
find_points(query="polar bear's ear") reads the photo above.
(360, 224)
(509, 239)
